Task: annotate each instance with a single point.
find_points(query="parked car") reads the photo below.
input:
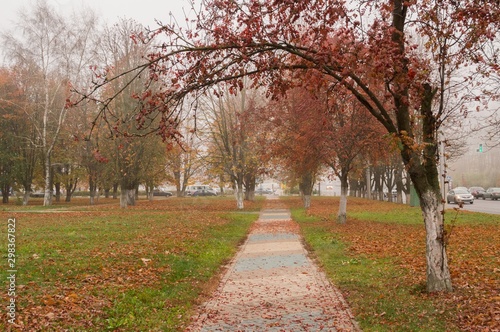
(477, 192)
(204, 192)
(159, 192)
(492, 193)
(459, 196)
(40, 193)
(394, 194)
(461, 188)
(191, 189)
(262, 191)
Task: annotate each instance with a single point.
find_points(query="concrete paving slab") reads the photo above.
(270, 262)
(272, 285)
(268, 237)
(282, 246)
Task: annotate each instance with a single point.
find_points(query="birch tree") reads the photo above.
(56, 48)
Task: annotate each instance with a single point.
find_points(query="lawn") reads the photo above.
(95, 268)
(98, 268)
(377, 259)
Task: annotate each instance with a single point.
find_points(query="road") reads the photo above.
(480, 205)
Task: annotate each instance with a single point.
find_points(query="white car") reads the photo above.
(459, 196)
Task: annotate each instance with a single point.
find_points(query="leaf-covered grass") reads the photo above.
(377, 259)
(140, 269)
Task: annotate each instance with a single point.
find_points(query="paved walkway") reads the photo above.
(272, 285)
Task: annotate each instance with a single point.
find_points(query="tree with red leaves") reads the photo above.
(355, 44)
(351, 132)
(296, 124)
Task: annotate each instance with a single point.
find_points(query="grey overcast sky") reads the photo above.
(143, 11)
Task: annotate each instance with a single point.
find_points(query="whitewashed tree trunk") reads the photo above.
(26, 197)
(307, 201)
(342, 214)
(438, 275)
(239, 196)
(150, 193)
(368, 182)
(344, 187)
(131, 196)
(306, 184)
(399, 198)
(123, 198)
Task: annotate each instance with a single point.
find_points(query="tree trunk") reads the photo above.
(26, 196)
(344, 187)
(399, 183)
(424, 174)
(250, 195)
(106, 192)
(250, 187)
(438, 275)
(57, 185)
(306, 185)
(239, 195)
(150, 192)
(92, 189)
(307, 201)
(70, 186)
(353, 188)
(131, 196)
(378, 181)
(5, 193)
(47, 198)
(70, 189)
(123, 198)
(178, 185)
(221, 185)
(115, 191)
(368, 183)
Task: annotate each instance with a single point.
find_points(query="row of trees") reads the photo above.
(410, 64)
(50, 136)
(297, 139)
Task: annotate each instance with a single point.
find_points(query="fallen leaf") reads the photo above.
(146, 261)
